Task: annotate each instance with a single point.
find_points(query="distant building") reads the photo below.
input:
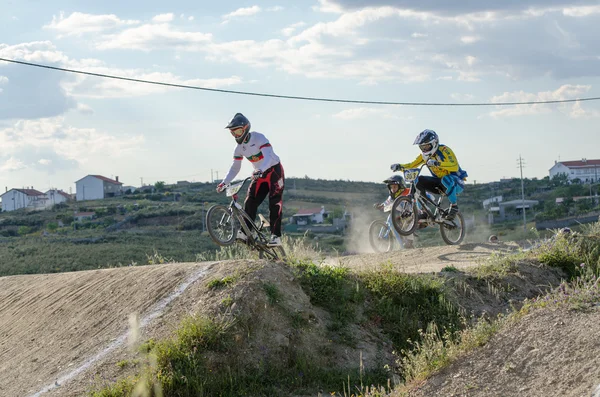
(310, 215)
(56, 196)
(80, 216)
(15, 199)
(585, 170)
(491, 202)
(97, 187)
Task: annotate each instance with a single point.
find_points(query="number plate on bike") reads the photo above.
(233, 189)
(411, 175)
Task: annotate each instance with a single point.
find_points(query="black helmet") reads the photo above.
(239, 121)
(395, 180)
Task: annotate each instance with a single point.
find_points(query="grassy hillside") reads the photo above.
(166, 223)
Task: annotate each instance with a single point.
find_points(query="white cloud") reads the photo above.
(113, 88)
(292, 28)
(3, 79)
(583, 11)
(191, 18)
(462, 97)
(79, 23)
(163, 17)
(15, 18)
(327, 6)
(451, 45)
(84, 109)
(36, 51)
(242, 12)
(275, 9)
(567, 91)
(77, 144)
(365, 112)
(12, 164)
(470, 39)
(154, 36)
(44, 161)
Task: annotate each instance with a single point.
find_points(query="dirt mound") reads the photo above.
(61, 334)
(424, 260)
(547, 353)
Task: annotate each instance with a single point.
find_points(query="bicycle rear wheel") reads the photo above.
(405, 215)
(380, 236)
(453, 232)
(221, 225)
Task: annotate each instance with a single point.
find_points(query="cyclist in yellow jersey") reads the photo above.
(447, 175)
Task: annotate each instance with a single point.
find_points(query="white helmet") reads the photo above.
(428, 142)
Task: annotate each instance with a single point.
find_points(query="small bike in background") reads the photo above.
(405, 212)
(382, 234)
(223, 222)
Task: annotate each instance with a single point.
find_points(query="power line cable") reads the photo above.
(304, 98)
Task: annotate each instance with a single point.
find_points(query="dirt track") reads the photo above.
(54, 327)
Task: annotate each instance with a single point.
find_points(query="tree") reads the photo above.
(559, 179)
(160, 186)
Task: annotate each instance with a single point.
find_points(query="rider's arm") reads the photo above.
(417, 162)
(447, 159)
(235, 167)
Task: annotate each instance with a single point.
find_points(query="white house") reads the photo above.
(491, 201)
(15, 199)
(56, 196)
(80, 216)
(585, 170)
(96, 187)
(310, 215)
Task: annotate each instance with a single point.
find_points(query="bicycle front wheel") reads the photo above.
(453, 232)
(273, 253)
(405, 215)
(380, 236)
(220, 224)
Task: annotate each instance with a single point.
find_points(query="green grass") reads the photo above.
(53, 254)
(578, 255)
(221, 282)
(184, 365)
(404, 304)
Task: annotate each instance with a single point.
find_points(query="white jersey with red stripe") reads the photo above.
(257, 150)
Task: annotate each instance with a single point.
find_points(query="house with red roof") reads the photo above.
(30, 198)
(586, 171)
(97, 187)
(57, 196)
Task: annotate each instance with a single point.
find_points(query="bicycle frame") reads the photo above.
(422, 200)
(237, 211)
(388, 208)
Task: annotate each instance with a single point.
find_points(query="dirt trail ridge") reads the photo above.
(57, 330)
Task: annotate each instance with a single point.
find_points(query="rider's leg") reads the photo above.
(434, 185)
(430, 184)
(257, 191)
(277, 184)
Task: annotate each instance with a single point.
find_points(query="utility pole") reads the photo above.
(141, 181)
(523, 195)
(212, 180)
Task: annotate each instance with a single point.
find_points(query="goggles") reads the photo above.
(426, 147)
(237, 132)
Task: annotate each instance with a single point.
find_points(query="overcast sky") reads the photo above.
(57, 127)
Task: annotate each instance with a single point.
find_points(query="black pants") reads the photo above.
(272, 183)
(431, 184)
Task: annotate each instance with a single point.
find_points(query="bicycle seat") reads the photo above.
(264, 220)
